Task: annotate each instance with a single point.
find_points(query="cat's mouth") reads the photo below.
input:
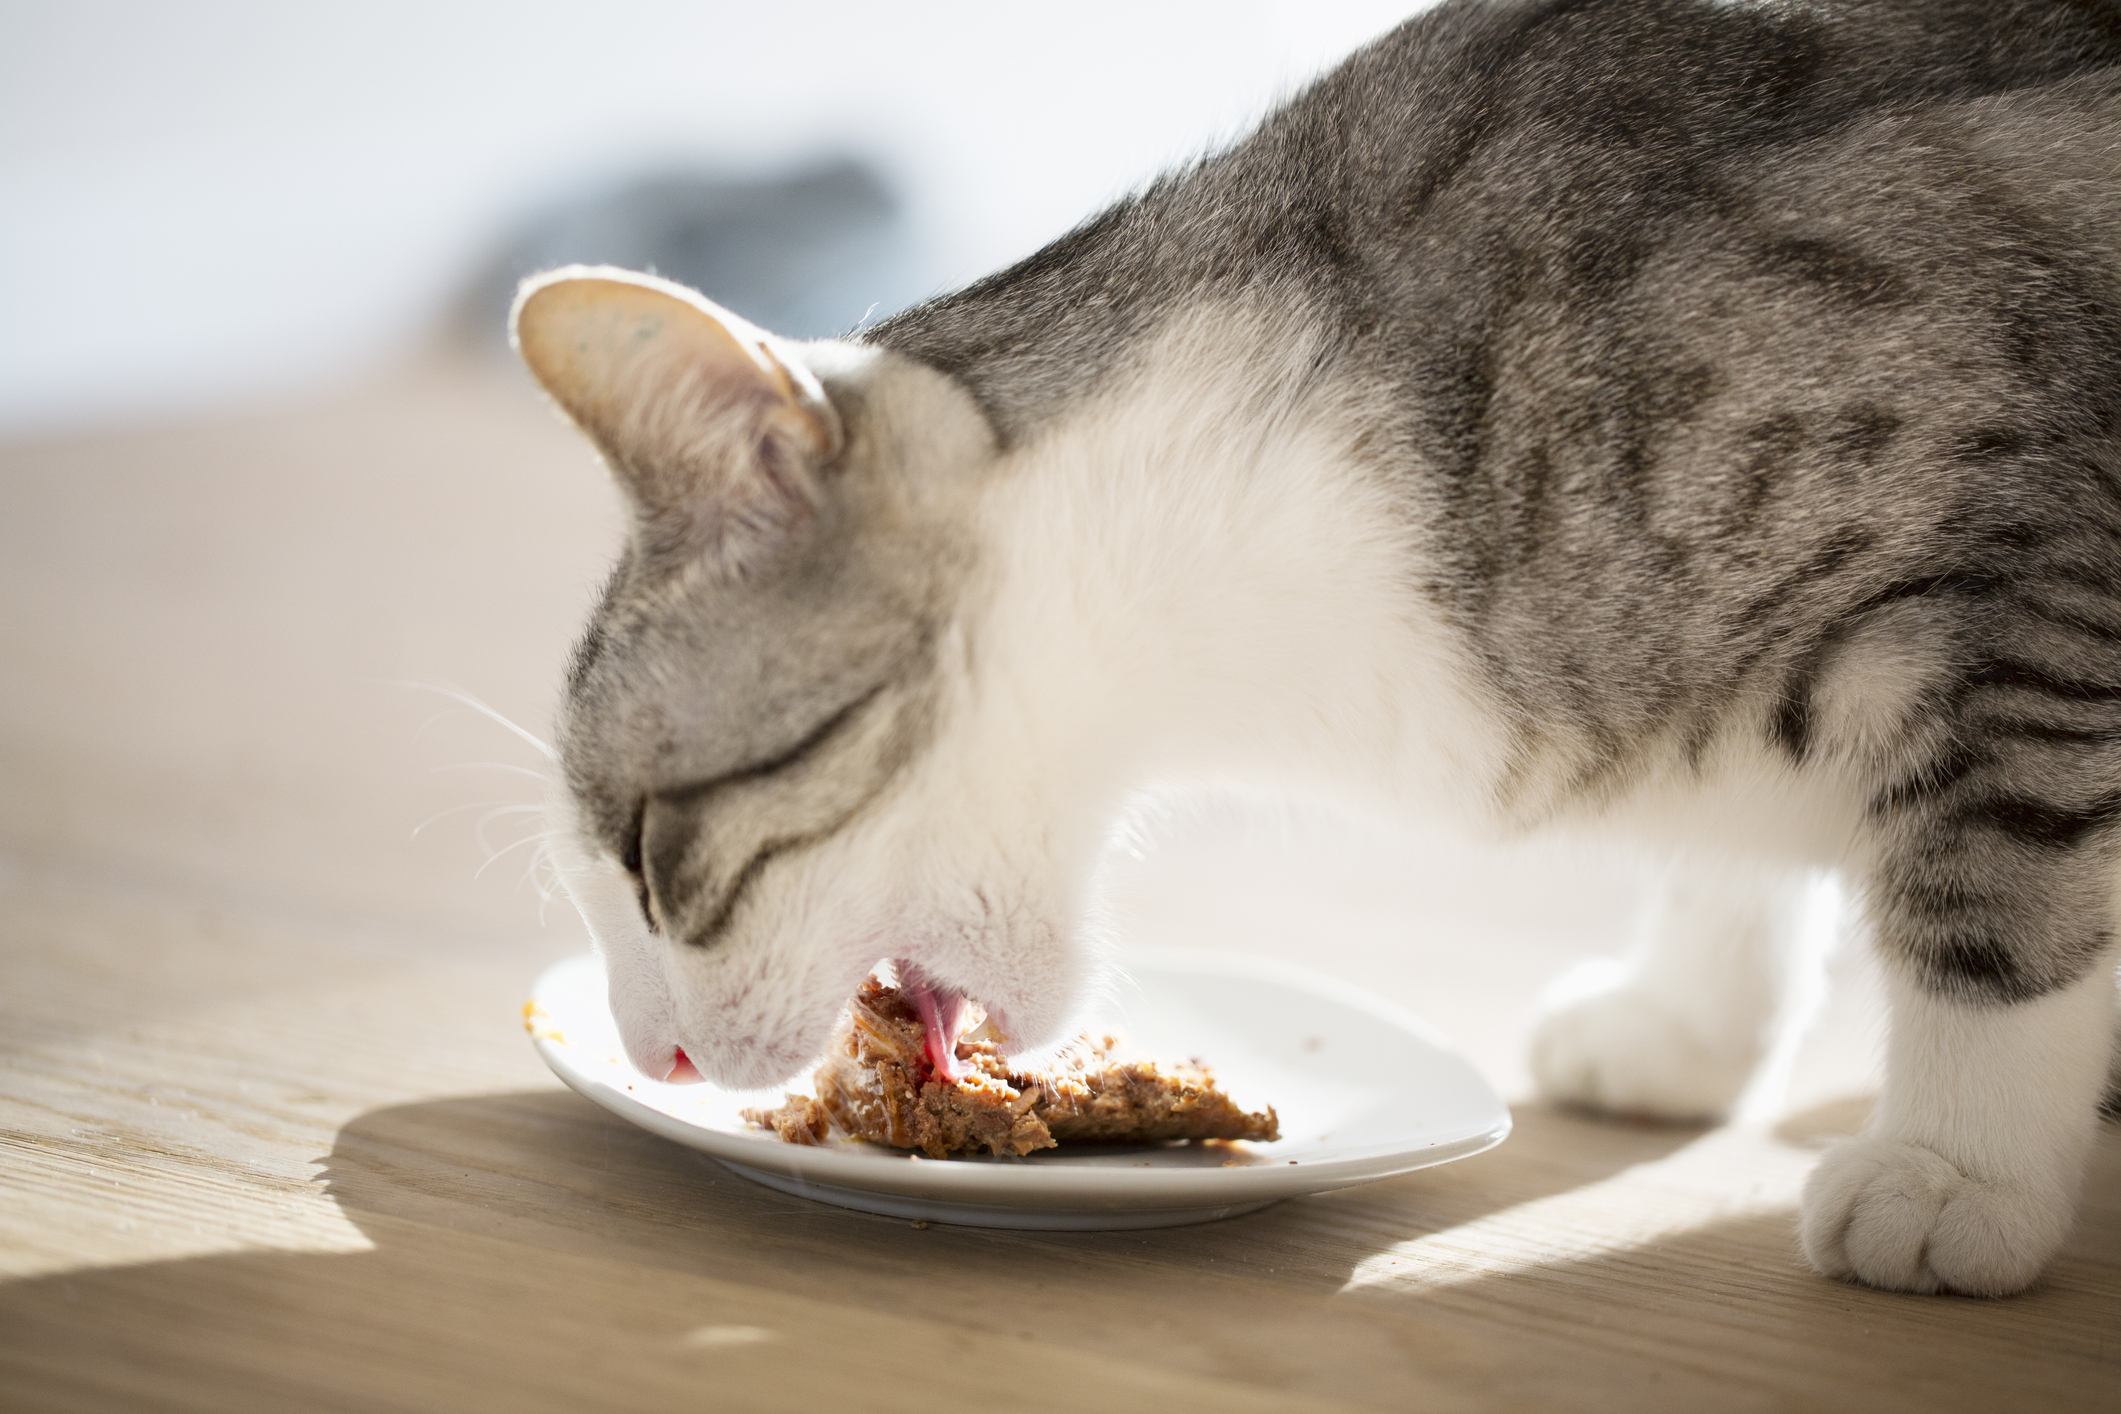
(946, 1015)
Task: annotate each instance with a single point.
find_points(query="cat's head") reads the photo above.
(778, 765)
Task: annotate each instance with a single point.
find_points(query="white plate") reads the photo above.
(1363, 1091)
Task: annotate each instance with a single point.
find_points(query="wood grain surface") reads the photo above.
(271, 1136)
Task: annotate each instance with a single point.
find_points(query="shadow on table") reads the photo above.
(533, 1251)
(1728, 1309)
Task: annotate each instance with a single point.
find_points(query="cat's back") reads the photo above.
(1719, 330)
(1497, 127)
(1656, 78)
(1479, 141)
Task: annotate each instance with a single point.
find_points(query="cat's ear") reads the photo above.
(713, 430)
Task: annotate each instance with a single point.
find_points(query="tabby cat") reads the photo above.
(1693, 419)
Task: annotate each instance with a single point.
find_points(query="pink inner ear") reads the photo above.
(683, 1071)
(707, 428)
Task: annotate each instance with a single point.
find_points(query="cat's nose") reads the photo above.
(641, 1006)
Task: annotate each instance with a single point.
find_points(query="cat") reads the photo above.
(1696, 420)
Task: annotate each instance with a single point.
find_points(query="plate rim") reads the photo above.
(1075, 1186)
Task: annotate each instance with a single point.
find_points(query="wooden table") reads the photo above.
(271, 1137)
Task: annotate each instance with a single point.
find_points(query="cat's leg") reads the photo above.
(1998, 939)
(1676, 1028)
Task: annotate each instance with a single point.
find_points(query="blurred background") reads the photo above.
(274, 488)
(202, 203)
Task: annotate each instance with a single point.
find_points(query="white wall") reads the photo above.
(217, 200)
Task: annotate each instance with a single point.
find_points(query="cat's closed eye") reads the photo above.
(630, 858)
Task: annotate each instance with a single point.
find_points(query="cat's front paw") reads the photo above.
(1901, 1217)
(1611, 1046)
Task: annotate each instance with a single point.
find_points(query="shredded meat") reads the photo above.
(801, 1120)
(878, 1083)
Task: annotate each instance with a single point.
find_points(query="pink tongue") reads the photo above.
(946, 1016)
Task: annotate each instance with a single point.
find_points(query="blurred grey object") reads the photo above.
(808, 254)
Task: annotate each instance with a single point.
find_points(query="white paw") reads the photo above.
(1613, 1047)
(1899, 1216)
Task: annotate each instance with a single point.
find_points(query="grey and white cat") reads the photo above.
(1699, 420)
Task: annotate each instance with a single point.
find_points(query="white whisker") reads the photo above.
(478, 831)
(466, 699)
(529, 771)
(540, 859)
(511, 849)
(452, 810)
(549, 887)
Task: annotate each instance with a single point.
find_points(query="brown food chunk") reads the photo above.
(801, 1120)
(877, 1083)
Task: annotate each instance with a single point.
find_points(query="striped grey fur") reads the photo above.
(1703, 341)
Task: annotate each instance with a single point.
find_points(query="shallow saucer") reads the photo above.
(1363, 1091)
